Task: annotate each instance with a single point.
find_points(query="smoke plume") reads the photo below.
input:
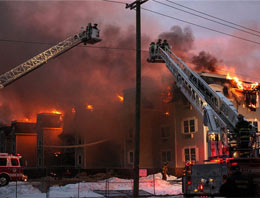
(83, 75)
(180, 39)
(205, 62)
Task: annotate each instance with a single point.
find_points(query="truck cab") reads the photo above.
(10, 169)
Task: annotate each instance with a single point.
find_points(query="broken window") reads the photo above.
(250, 97)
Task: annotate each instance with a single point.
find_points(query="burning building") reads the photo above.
(49, 129)
(156, 133)
(20, 138)
(191, 136)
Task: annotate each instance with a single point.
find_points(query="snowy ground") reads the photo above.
(86, 189)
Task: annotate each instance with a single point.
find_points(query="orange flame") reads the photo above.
(56, 112)
(89, 107)
(242, 85)
(167, 113)
(26, 120)
(238, 82)
(121, 98)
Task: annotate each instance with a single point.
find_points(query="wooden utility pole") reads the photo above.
(137, 6)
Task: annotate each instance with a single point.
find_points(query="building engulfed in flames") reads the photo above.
(246, 93)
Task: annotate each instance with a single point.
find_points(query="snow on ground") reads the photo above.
(86, 189)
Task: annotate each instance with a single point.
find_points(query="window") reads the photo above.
(3, 161)
(131, 133)
(14, 162)
(165, 132)
(80, 160)
(130, 157)
(166, 156)
(190, 154)
(189, 126)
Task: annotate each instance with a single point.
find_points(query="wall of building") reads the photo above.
(192, 138)
(26, 147)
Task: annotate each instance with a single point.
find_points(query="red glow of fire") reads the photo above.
(242, 85)
(252, 106)
(89, 107)
(73, 110)
(121, 98)
(27, 120)
(167, 95)
(167, 113)
(56, 112)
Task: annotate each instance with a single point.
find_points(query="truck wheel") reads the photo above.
(4, 180)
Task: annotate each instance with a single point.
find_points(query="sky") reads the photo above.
(94, 75)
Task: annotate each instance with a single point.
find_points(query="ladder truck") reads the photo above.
(89, 35)
(221, 119)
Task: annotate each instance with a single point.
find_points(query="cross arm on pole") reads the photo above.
(133, 5)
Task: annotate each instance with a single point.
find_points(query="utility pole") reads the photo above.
(137, 6)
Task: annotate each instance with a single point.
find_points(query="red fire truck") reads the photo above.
(10, 169)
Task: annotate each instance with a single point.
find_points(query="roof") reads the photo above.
(24, 127)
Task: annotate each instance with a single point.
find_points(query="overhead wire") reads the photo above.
(213, 16)
(204, 27)
(207, 18)
(84, 46)
(129, 49)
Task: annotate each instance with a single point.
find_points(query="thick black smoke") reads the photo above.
(83, 75)
(205, 62)
(180, 39)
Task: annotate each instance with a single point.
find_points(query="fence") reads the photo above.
(82, 186)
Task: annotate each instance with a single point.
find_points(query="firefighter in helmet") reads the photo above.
(243, 130)
(152, 47)
(158, 44)
(165, 171)
(165, 45)
(238, 184)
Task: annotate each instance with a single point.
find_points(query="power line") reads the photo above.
(213, 16)
(110, 48)
(227, 34)
(85, 46)
(112, 1)
(207, 19)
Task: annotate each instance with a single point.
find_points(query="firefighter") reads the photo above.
(152, 47)
(95, 26)
(158, 44)
(165, 45)
(243, 130)
(238, 185)
(165, 171)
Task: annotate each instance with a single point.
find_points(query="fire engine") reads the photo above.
(221, 118)
(10, 169)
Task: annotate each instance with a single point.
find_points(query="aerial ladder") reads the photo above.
(219, 115)
(89, 35)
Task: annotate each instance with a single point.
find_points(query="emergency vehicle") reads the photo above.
(10, 169)
(228, 133)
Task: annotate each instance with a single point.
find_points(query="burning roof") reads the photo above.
(244, 92)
